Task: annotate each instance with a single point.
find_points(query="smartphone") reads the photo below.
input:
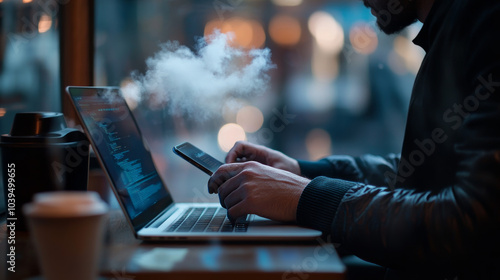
(197, 157)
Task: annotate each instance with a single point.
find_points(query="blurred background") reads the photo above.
(340, 86)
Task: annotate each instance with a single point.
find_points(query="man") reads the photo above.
(432, 211)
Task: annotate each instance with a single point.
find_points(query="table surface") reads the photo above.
(125, 257)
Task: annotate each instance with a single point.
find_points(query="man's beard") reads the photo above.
(391, 21)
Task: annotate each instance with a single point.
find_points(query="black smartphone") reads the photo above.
(197, 157)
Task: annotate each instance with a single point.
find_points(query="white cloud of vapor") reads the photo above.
(199, 83)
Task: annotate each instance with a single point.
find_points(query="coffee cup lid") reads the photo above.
(62, 204)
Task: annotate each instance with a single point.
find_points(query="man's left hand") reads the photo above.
(254, 188)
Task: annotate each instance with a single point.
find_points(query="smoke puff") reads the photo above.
(199, 83)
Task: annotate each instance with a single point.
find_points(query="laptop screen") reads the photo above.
(119, 144)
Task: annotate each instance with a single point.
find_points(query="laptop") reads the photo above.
(141, 192)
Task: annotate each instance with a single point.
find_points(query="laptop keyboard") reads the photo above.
(210, 219)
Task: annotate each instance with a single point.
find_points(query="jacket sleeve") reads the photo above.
(406, 229)
(368, 169)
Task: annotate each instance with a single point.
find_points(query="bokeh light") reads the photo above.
(396, 63)
(211, 26)
(285, 30)
(288, 3)
(229, 134)
(327, 32)
(363, 38)
(242, 30)
(250, 118)
(411, 55)
(44, 24)
(131, 92)
(247, 33)
(318, 144)
(259, 35)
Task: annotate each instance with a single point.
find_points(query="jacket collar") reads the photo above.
(432, 24)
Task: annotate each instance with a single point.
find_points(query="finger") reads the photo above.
(239, 210)
(224, 173)
(230, 193)
(227, 188)
(232, 155)
(239, 151)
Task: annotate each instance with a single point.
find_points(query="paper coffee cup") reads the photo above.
(67, 229)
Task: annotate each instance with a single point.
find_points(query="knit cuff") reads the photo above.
(319, 202)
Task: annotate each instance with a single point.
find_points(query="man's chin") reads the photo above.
(391, 23)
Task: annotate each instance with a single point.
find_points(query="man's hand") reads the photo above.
(245, 151)
(254, 188)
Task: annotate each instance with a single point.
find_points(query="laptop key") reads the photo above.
(241, 227)
(190, 221)
(227, 227)
(179, 221)
(217, 221)
(199, 228)
(204, 221)
(241, 224)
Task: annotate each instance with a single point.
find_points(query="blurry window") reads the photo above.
(29, 58)
(338, 81)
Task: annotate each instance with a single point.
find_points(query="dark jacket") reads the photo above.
(435, 208)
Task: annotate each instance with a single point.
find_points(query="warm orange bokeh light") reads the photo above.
(318, 144)
(250, 118)
(285, 30)
(363, 38)
(44, 24)
(211, 26)
(259, 35)
(242, 30)
(248, 34)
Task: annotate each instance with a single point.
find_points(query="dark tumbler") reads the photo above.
(41, 154)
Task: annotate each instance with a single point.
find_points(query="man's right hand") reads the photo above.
(245, 151)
